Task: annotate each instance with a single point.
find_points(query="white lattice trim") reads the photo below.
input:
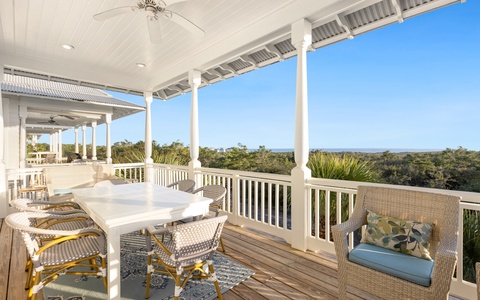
(178, 290)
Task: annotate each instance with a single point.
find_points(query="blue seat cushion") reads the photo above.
(62, 191)
(394, 263)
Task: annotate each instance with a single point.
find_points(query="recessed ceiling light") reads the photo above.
(140, 65)
(68, 47)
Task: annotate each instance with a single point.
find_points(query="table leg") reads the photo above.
(113, 266)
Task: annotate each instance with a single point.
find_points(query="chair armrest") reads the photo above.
(157, 231)
(340, 233)
(445, 261)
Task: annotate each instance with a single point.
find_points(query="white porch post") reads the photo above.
(55, 144)
(194, 79)
(3, 168)
(60, 147)
(84, 141)
(50, 148)
(23, 136)
(76, 139)
(301, 39)
(108, 121)
(148, 96)
(94, 140)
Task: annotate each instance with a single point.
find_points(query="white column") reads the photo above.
(76, 139)
(194, 79)
(84, 141)
(50, 148)
(3, 168)
(55, 144)
(301, 39)
(94, 140)
(60, 147)
(148, 137)
(34, 141)
(23, 137)
(108, 142)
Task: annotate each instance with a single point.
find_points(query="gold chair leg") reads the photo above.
(29, 275)
(221, 244)
(36, 281)
(178, 284)
(149, 277)
(217, 286)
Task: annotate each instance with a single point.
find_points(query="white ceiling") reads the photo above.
(241, 35)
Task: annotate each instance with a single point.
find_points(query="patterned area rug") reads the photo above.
(134, 266)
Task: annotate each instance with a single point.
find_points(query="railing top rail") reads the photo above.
(318, 182)
(168, 166)
(139, 164)
(246, 174)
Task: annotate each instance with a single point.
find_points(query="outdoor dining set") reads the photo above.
(181, 224)
(407, 249)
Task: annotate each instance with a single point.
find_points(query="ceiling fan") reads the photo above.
(154, 10)
(53, 122)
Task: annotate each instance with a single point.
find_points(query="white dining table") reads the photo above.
(120, 209)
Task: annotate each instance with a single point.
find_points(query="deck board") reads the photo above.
(280, 271)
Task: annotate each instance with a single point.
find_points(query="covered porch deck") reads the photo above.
(281, 272)
(260, 241)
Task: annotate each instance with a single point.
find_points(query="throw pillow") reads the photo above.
(409, 237)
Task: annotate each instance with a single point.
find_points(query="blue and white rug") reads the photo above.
(134, 267)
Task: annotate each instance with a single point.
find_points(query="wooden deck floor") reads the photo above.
(280, 271)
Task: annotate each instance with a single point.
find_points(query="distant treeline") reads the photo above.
(453, 169)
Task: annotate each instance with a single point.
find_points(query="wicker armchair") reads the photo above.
(477, 274)
(186, 185)
(67, 249)
(187, 254)
(441, 210)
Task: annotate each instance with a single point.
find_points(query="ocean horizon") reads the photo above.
(362, 150)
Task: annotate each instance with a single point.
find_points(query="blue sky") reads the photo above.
(413, 85)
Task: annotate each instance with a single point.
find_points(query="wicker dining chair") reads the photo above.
(406, 204)
(186, 185)
(217, 193)
(64, 207)
(187, 254)
(477, 274)
(66, 250)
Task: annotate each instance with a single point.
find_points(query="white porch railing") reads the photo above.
(261, 201)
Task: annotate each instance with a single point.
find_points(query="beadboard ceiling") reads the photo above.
(240, 36)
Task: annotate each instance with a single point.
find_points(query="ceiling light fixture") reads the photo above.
(68, 47)
(140, 65)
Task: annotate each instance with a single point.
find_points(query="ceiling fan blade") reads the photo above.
(154, 30)
(114, 12)
(184, 23)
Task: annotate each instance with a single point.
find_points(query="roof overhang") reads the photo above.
(241, 36)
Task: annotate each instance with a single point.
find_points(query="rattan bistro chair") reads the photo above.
(186, 185)
(65, 207)
(217, 193)
(187, 254)
(406, 204)
(64, 251)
